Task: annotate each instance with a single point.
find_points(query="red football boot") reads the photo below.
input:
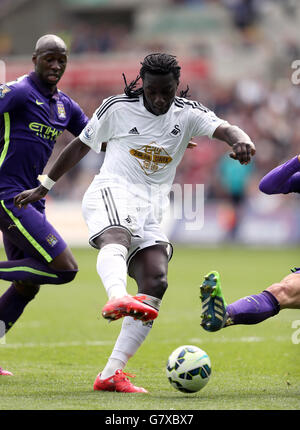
(129, 306)
(5, 372)
(117, 382)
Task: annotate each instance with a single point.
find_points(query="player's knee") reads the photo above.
(67, 276)
(163, 282)
(160, 285)
(71, 266)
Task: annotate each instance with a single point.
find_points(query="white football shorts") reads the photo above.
(111, 205)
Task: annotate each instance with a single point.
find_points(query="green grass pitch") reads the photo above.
(61, 342)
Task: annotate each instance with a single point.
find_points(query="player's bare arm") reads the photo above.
(242, 146)
(68, 158)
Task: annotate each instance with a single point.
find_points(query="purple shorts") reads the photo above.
(27, 233)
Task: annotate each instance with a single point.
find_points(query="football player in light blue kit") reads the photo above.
(33, 113)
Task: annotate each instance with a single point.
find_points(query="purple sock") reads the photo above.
(253, 309)
(12, 305)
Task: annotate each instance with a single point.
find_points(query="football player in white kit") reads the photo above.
(147, 131)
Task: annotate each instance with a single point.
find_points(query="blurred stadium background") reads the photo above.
(236, 57)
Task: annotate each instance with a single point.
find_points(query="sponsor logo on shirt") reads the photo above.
(151, 158)
(38, 102)
(45, 131)
(61, 110)
(4, 90)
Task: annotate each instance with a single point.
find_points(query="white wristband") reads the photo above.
(47, 182)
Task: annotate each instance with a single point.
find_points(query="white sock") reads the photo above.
(132, 335)
(111, 366)
(112, 269)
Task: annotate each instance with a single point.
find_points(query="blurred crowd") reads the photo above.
(91, 35)
(266, 108)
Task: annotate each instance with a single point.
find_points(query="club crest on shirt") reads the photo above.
(61, 110)
(176, 130)
(4, 89)
(151, 157)
(51, 239)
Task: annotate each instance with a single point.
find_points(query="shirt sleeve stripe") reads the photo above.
(111, 102)
(6, 137)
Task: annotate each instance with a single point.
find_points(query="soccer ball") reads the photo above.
(188, 368)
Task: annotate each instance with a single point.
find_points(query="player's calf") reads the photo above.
(287, 292)
(14, 301)
(27, 289)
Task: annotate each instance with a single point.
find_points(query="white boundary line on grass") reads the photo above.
(57, 344)
(243, 339)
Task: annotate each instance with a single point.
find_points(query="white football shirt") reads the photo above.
(144, 149)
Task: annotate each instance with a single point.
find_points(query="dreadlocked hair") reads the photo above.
(160, 64)
(185, 93)
(130, 90)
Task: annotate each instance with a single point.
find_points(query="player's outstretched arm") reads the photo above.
(242, 146)
(68, 158)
